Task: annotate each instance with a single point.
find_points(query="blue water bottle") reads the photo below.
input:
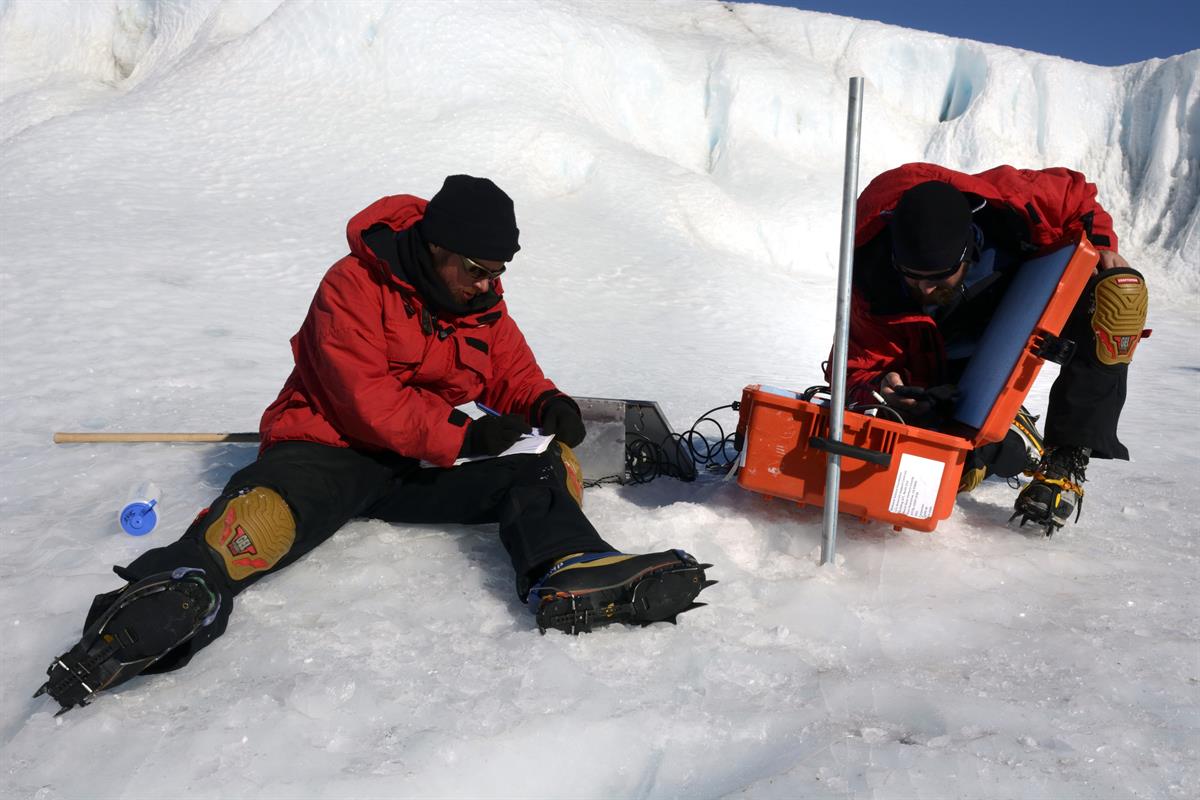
(139, 515)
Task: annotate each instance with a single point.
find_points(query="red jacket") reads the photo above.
(368, 377)
(1052, 205)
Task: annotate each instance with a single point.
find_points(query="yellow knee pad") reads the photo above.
(1121, 303)
(253, 532)
(574, 473)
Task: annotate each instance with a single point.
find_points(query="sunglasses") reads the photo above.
(940, 275)
(478, 272)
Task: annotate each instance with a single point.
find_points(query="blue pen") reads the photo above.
(493, 412)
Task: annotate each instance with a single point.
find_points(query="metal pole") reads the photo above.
(837, 369)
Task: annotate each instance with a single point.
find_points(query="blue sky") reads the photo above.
(1096, 32)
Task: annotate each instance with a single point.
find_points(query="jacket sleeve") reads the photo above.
(341, 356)
(1059, 202)
(865, 369)
(909, 347)
(517, 380)
(870, 354)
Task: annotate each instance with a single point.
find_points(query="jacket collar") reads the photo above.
(372, 235)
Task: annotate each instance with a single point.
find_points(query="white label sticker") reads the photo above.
(917, 482)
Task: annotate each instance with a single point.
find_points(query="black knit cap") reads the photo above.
(931, 227)
(472, 217)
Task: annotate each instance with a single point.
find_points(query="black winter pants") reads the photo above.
(325, 487)
(1087, 398)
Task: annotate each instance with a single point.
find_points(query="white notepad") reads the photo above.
(530, 443)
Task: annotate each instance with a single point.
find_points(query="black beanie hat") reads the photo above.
(931, 227)
(472, 217)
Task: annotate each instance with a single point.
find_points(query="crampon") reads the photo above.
(1055, 491)
(588, 590)
(148, 619)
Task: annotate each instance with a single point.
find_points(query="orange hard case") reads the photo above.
(917, 485)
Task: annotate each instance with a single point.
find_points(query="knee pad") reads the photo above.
(1121, 300)
(574, 477)
(252, 533)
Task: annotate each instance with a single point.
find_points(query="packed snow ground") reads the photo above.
(177, 178)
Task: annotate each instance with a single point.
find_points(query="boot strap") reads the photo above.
(1060, 482)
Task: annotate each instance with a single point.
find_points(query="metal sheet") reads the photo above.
(602, 453)
(612, 425)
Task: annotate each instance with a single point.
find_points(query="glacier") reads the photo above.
(176, 179)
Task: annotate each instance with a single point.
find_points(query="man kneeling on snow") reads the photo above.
(409, 325)
(935, 252)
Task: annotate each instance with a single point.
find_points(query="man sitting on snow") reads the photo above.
(409, 325)
(934, 253)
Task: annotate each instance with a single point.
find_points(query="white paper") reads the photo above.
(916, 489)
(536, 442)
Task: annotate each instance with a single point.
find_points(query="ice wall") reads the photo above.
(740, 108)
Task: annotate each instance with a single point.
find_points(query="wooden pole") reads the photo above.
(74, 438)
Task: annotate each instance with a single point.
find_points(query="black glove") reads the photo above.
(561, 417)
(944, 398)
(926, 406)
(491, 436)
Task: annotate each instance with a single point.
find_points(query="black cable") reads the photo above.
(715, 455)
(808, 394)
(646, 460)
(681, 455)
(860, 409)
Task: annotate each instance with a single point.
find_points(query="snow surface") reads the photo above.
(177, 178)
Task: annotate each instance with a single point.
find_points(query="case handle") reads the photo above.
(842, 449)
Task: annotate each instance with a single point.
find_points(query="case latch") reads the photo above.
(1053, 348)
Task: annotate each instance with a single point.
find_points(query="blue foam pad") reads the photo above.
(1004, 339)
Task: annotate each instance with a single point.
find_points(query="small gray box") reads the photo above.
(613, 425)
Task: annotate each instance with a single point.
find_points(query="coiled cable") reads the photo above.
(678, 455)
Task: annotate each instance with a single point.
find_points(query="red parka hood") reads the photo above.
(1057, 203)
(399, 212)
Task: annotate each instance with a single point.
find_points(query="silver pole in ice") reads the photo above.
(837, 369)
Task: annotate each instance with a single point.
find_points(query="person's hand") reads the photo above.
(491, 436)
(1110, 259)
(561, 417)
(896, 394)
(919, 403)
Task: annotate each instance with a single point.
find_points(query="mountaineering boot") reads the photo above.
(1025, 424)
(1056, 489)
(147, 620)
(1023, 434)
(971, 478)
(583, 591)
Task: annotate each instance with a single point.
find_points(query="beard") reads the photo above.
(941, 296)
